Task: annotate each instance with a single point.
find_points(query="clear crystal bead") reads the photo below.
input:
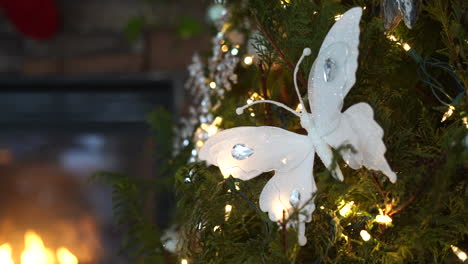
(329, 69)
(241, 152)
(295, 198)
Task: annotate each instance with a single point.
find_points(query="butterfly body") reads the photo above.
(246, 152)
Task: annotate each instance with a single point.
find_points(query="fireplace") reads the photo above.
(54, 134)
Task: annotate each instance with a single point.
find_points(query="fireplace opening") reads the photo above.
(54, 134)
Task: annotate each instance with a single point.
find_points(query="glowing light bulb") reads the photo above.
(279, 210)
(252, 114)
(338, 17)
(346, 209)
(183, 261)
(225, 172)
(365, 235)
(465, 121)
(212, 85)
(248, 60)
(216, 228)
(227, 210)
(460, 254)
(224, 48)
(234, 51)
(447, 114)
(322, 207)
(383, 219)
(406, 46)
(299, 107)
(392, 38)
(199, 144)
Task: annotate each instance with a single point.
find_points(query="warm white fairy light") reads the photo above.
(383, 219)
(447, 114)
(460, 253)
(365, 235)
(338, 17)
(392, 38)
(227, 210)
(183, 261)
(322, 207)
(212, 85)
(199, 144)
(346, 209)
(406, 46)
(299, 107)
(248, 60)
(224, 48)
(234, 51)
(216, 228)
(225, 172)
(252, 114)
(465, 121)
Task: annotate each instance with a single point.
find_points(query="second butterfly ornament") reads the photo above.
(246, 152)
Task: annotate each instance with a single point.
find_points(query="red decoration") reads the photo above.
(37, 19)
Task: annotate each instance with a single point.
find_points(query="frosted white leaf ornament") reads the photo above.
(246, 152)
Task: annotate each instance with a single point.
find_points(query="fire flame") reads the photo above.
(35, 252)
(5, 254)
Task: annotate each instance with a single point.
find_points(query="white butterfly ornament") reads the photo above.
(246, 152)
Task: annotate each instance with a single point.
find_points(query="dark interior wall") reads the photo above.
(92, 39)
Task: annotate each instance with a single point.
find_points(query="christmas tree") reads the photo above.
(412, 70)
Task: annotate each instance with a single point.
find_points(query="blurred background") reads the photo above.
(77, 81)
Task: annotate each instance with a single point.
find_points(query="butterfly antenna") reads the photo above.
(305, 52)
(240, 110)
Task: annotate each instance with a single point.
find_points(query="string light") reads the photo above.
(224, 48)
(252, 114)
(346, 209)
(248, 60)
(460, 254)
(448, 114)
(365, 235)
(212, 85)
(338, 17)
(465, 121)
(183, 261)
(216, 228)
(406, 46)
(285, 3)
(199, 144)
(299, 107)
(234, 51)
(322, 207)
(392, 38)
(383, 219)
(227, 210)
(225, 172)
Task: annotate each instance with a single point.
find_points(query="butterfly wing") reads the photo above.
(290, 188)
(333, 72)
(358, 128)
(245, 152)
